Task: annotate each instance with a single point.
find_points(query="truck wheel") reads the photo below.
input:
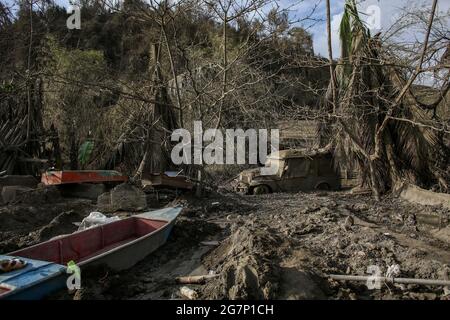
(261, 189)
(323, 186)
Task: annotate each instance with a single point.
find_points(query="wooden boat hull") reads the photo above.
(125, 257)
(118, 245)
(81, 176)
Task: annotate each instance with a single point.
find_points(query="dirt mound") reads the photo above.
(251, 267)
(188, 232)
(27, 223)
(246, 263)
(62, 224)
(40, 195)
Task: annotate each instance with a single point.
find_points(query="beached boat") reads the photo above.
(118, 245)
(81, 176)
(34, 281)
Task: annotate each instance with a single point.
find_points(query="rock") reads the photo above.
(325, 211)
(422, 295)
(125, 197)
(13, 193)
(360, 207)
(332, 204)
(310, 209)
(348, 223)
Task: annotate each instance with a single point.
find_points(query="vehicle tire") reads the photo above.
(323, 186)
(261, 189)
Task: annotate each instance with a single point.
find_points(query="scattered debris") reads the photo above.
(7, 265)
(95, 219)
(210, 243)
(195, 279)
(393, 271)
(188, 293)
(168, 179)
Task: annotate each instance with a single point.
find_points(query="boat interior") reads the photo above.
(83, 245)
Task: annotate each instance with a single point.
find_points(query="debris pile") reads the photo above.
(247, 261)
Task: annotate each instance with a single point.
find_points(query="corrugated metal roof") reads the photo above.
(296, 153)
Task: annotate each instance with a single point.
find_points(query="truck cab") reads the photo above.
(298, 170)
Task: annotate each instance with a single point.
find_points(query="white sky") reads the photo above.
(389, 10)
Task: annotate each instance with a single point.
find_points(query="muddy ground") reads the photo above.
(277, 246)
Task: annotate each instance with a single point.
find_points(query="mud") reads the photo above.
(38, 216)
(278, 246)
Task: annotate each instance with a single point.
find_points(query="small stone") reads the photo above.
(361, 253)
(360, 207)
(349, 222)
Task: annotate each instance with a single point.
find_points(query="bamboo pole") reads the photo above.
(425, 282)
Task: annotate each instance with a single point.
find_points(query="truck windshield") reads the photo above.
(273, 162)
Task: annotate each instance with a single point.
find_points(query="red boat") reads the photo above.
(81, 176)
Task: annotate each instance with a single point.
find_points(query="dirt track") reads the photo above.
(281, 246)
